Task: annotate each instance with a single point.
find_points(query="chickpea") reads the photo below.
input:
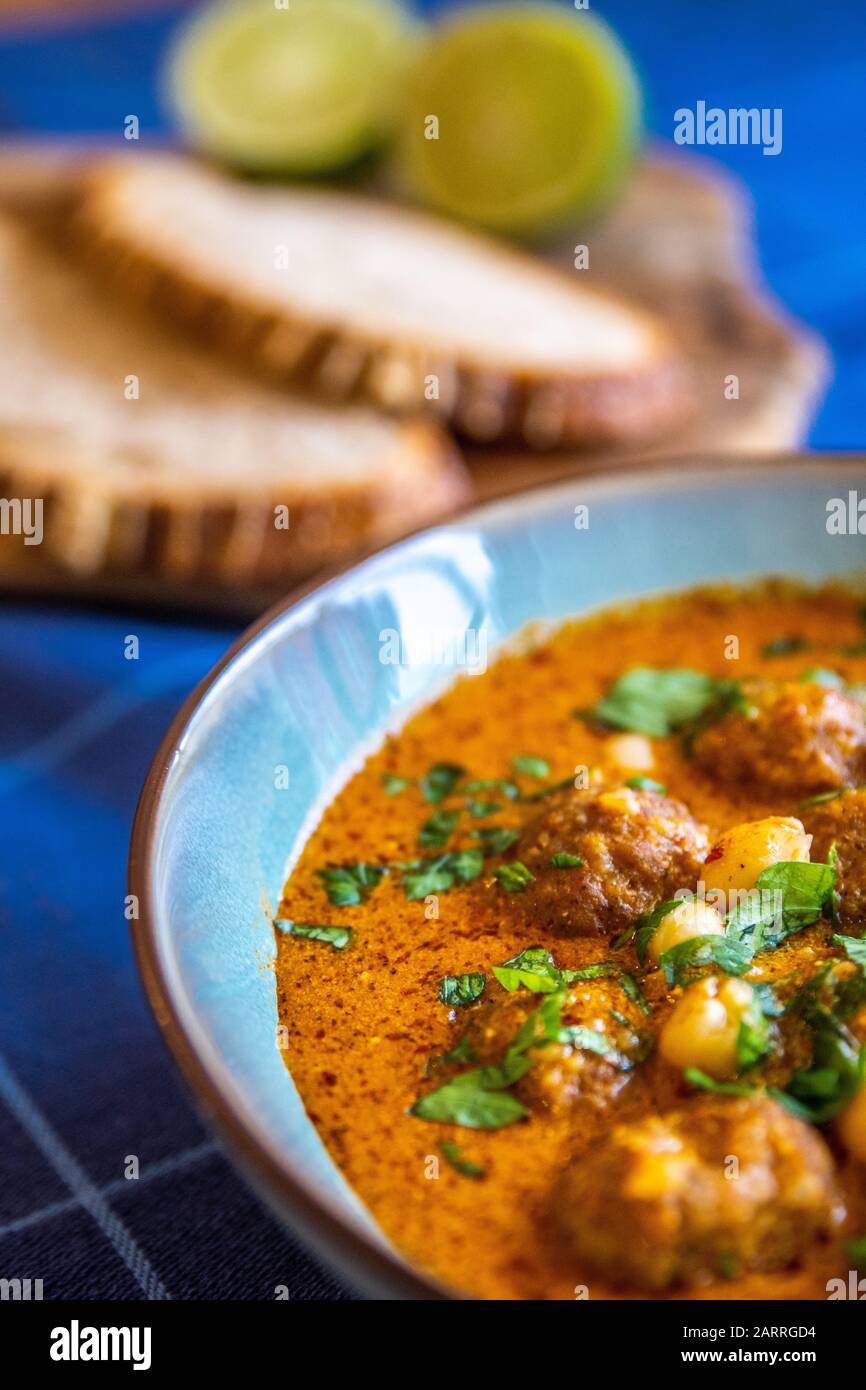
(633, 752)
(736, 860)
(851, 1126)
(702, 1031)
(691, 918)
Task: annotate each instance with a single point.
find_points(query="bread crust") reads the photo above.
(98, 521)
(484, 400)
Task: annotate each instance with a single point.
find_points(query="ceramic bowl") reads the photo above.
(305, 694)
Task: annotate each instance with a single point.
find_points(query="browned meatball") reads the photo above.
(637, 848)
(842, 822)
(567, 1076)
(796, 738)
(657, 1203)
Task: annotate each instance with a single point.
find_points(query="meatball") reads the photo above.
(842, 822)
(684, 1196)
(796, 738)
(637, 848)
(566, 1076)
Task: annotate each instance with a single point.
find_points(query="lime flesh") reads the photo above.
(303, 90)
(538, 113)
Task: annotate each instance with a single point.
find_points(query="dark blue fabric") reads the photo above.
(84, 1081)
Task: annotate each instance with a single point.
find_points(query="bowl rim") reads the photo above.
(274, 1181)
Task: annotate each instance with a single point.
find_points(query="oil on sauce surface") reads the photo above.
(362, 1022)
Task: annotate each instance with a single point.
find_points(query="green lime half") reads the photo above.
(302, 88)
(519, 116)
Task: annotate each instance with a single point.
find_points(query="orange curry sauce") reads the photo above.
(363, 1021)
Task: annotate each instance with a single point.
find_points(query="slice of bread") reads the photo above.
(361, 298)
(153, 460)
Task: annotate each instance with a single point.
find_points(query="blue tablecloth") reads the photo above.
(85, 1085)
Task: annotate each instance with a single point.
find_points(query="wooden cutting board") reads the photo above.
(680, 242)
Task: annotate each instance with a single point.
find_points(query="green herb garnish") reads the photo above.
(753, 1036)
(787, 897)
(562, 860)
(646, 784)
(586, 1039)
(785, 646)
(440, 780)
(514, 877)
(836, 1073)
(475, 1100)
(497, 839)
(854, 948)
(452, 1154)
(503, 785)
(480, 809)
(680, 961)
(634, 992)
(438, 875)
(819, 675)
(646, 926)
(656, 701)
(393, 784)
(534, 970)
(698, 1078)
(456, 991)
(435, 831)
(349, 884)
(856, 1249)
(539, 768)
(567, 784)
(338, 937)
(461, 1052)
(604, 970)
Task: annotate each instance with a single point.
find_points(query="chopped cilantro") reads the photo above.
(452, 1154)
(393, 784)
(732, 956)
(566, 861)
(656, 701)
(338, 937)
(503, 785)
(440, 780)
(440, 874)
(460, 990)
(819, 675)
(854, 948)
(436, 830)
(698, 1078)
(349, 884)
(539, 768)
(534, 970)
(785, 646)
(856, 1249)
(514, 877)
(634, 992)
(496, 839)
(647, 925)
(480, 809)
(646, 784)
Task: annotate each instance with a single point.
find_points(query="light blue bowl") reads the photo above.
(307, 690)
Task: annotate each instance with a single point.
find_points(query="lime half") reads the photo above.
(306, 87)
(518, 117)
